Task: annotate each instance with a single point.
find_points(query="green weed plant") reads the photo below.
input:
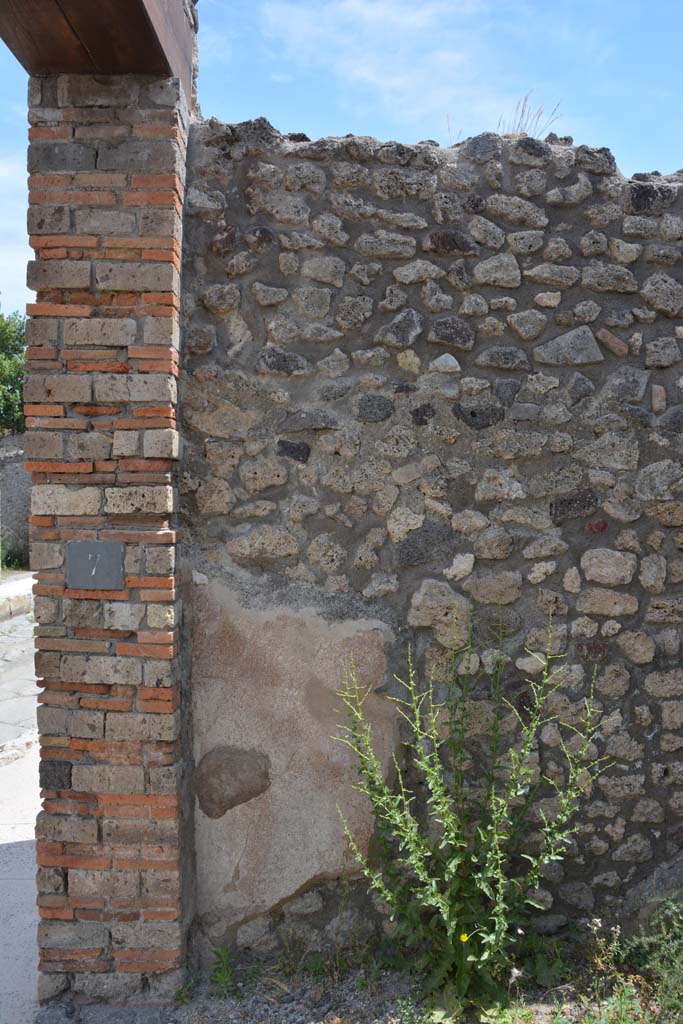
(459, 878)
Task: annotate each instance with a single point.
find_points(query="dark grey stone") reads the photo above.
(597, 161)
(650, 197)
(433, 542)
(422, 414)
(402, 331)
(55, 775)
(573, 506)
(297, 450)
(637, 413)
(229, 776)
(530, 152)
(144, 157)
(592, 650)
(473, 203)
(458, 276)
(575, 347)
(628, 384)
(94, 565)
(374, 408)
(454, 331)
(492, 623)
(334, 390)
(309, 419)
(449, 242)
(506, 390)
(479, 417)
(49, 220)
(200, 339)
(484, 147)
(45, 157)
(504, 357)
(578, 387)
(278, 360)
(672, 419)
(618, 317)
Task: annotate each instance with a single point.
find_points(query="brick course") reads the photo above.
(106, 161)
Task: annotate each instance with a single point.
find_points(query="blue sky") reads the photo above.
(412, 70)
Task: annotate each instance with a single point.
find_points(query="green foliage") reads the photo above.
(657, 954)
(316, 967)
(11, 558)
(252, 972)
(623, 1006)
(183, 994)
(12, 366)
(513, 1014)
(459, 877)
(542, 960)
(223, 976)
(333, 968)
(408, 1012)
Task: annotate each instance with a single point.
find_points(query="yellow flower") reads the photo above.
(464, 937)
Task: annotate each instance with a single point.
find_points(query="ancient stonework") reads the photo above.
(399, 386)
(417, 381)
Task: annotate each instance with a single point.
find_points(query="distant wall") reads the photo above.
(15, 495)
(416, 378)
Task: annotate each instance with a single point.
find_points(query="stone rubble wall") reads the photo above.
(15, 489)
(418, 380)
(106, 185)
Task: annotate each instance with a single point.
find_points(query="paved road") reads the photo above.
(19, 804)
(17, 679)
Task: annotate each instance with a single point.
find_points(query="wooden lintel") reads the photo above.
(106, 37)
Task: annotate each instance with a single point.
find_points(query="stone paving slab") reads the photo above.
(18, 690)
(16, 595)
(19, 804)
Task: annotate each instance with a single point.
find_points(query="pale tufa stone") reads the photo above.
(612, 568)
(597, 601)
(267, 543)
(401, 522)
(652, 573)
(541, 571)
(461, 566)
(435, 604)
(533, 664)
(502, 271)
(491, 587)
(498, 485)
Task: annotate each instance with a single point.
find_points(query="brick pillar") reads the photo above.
(106, 162)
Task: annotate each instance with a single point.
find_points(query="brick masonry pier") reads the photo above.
(106, 162)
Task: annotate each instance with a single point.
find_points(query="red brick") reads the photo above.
(58, 467)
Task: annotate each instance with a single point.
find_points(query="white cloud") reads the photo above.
(422, 64)
(14, 251)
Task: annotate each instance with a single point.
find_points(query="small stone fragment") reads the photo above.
(502, 271)
(575, 348)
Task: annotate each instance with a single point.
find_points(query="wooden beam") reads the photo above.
(100, 37)
(175, 36)
(117, 35)
(40, 36)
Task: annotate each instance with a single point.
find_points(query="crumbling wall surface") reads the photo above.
(417, 379)
(15, 490)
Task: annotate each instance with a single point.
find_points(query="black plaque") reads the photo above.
(94, 565)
